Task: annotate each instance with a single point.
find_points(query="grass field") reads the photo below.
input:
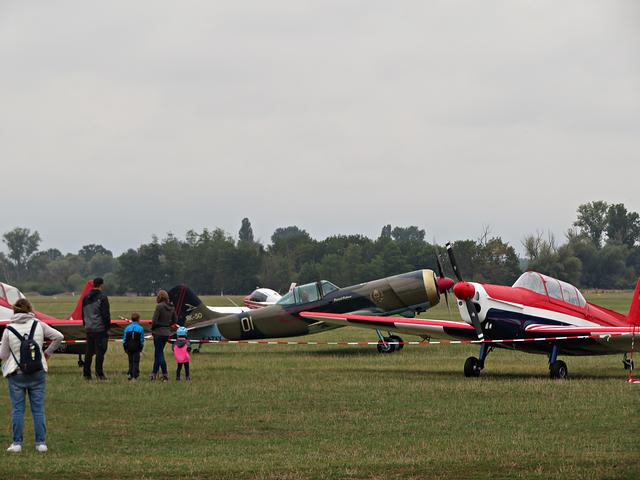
(335, 412)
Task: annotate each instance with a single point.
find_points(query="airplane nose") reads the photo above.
(464, 290)
(444, 284)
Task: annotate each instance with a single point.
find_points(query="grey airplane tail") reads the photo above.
(189, 307)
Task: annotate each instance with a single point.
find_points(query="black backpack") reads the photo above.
(30, 354)
(132, 342)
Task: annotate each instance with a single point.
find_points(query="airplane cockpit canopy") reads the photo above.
(556, 289)
(10, 294)
(311, 292)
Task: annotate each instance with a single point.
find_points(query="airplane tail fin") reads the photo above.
(634, 310)
(77, 312)
(189, 307)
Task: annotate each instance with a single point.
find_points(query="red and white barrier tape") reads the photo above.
(422, 342)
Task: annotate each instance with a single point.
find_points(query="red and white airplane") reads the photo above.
(262, 297)
(71, 327)
(536, 306)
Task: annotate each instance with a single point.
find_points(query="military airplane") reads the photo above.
(406, 294)
(535, 306)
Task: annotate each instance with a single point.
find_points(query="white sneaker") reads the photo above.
(41, 448)
(14, 448)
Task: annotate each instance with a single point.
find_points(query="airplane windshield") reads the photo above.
(311, 292)
(557, 289)
(10, 294)
(327, 287)
(530, 281)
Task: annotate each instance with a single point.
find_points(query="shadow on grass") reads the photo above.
(459, 374)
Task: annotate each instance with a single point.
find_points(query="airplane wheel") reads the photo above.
(558, 369)
(628, 364)
(472, 367)
(385, 347)
(396, 338)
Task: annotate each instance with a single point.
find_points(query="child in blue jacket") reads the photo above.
(133, 342)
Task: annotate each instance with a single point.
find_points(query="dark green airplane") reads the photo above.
(406, 294)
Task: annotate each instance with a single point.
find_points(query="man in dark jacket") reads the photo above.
(96, 319)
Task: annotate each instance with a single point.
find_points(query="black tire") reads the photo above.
(396, 338)
(80, 363)
(472, 367)
(384, 347)
(559, 370)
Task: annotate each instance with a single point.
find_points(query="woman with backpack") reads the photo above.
(164, 318)
(24, 365)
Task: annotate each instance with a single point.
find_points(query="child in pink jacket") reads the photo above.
(181, 349)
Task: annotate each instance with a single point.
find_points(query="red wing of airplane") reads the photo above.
(581, 330)
(412, 326)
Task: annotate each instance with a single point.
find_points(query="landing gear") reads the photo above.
(557, 368)
(384, 345)
(473, 366)
(628, 363)
(80, 360)
(398, 340)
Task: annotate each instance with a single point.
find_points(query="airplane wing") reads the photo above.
(581, 330)
(412, 326)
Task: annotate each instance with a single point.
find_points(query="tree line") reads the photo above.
(600, 250)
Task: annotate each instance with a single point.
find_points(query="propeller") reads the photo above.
(465, 292)
(444, 284)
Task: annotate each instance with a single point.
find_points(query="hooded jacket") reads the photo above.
(164, 316)
(96, 316)
(10, 344)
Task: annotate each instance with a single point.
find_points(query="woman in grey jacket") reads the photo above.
(21, 383)
(163, 318)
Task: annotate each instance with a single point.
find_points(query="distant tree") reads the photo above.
(22, 244)
(623, 227)
(559, 262)
(101, 264)
(386, 232)
(592, 220)
(497, 262)
(286, 239)
(246, 232)
(89, 251)
(408, 234)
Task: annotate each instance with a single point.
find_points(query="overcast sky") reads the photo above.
(119, 120)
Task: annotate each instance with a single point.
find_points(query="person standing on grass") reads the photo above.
(163, 319)
(181, 348)
(133, 343)
(33, 382)
(96, 319)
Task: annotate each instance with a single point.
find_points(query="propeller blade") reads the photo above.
(475, 320)
(452, 260)
(446, 300)
(440, 271)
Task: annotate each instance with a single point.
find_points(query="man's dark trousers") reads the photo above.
(96, 345)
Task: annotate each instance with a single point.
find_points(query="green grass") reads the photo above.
(335, 412)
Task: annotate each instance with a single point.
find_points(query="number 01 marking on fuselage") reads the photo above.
(246, 323)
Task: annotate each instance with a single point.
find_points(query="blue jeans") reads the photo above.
(159, 341)
(19, 386)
